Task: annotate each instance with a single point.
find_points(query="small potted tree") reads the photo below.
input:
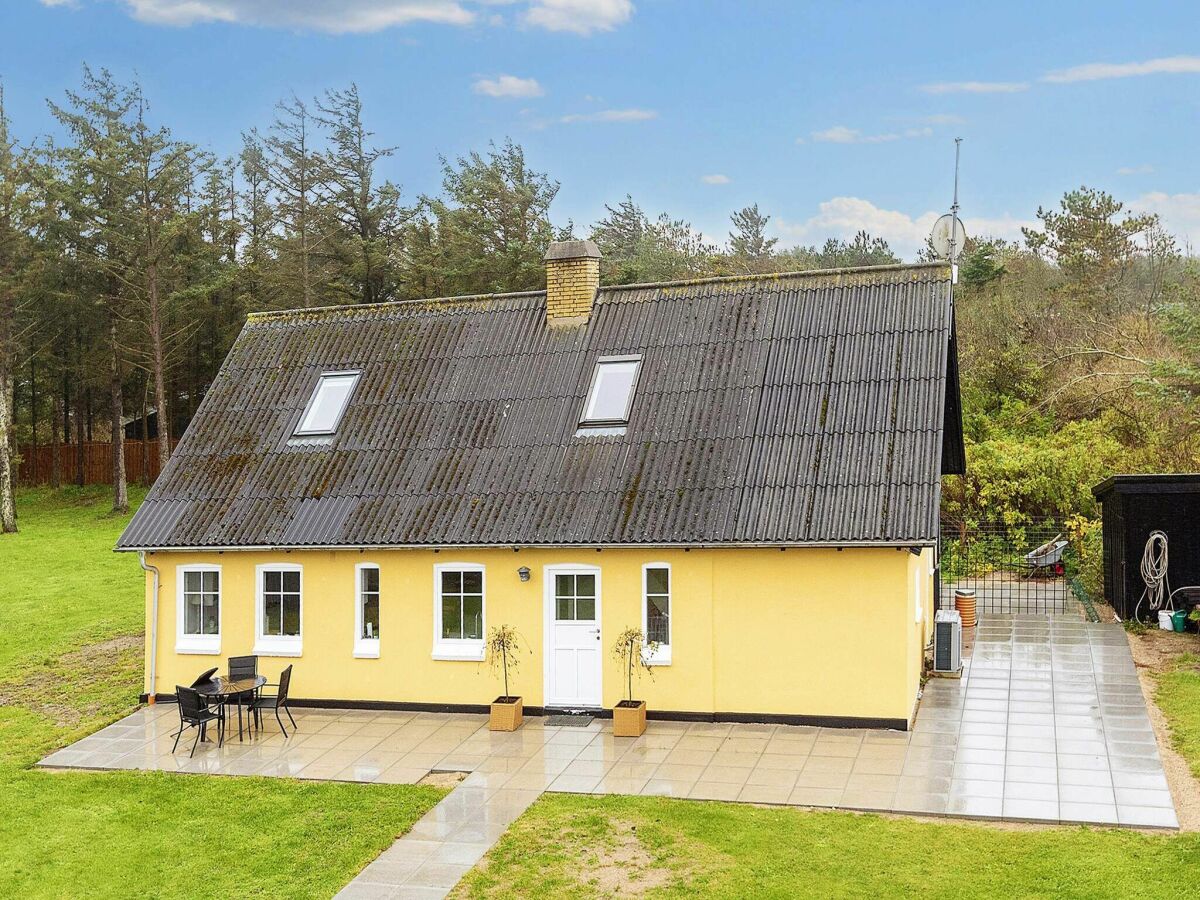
(503, 648)
(631, 649)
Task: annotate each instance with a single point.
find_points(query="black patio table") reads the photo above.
(224, 689)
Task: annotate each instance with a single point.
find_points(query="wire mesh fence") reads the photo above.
(1011, 568)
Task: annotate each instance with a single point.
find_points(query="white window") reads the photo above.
(198, 609)
(328, 402)
(279, 610)
(458, 604)
(656, 612)
(611, 393)
(366, 610)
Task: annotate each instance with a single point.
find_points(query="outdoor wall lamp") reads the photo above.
(524, 573)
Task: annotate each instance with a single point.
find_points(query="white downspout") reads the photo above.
(153, 626)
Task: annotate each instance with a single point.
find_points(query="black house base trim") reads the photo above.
(663, 715)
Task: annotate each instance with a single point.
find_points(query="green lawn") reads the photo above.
(61, 584)
(574, 846)
(70, 662)
(1179, 698)
(569, 845)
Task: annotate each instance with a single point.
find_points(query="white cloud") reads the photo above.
(579, 16)
(843, 217)
(1180, 214)
(976, 87)
(611, 115)
(1144, 169)
(73, 4)
(346, 16)
(1167, 65)
(508, 86)
(715, 179)
(840, 134)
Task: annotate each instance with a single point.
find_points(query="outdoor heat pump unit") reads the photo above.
(947, 642)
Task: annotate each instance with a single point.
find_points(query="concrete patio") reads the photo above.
(1048, 724)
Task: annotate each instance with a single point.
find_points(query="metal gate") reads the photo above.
(1011, 568)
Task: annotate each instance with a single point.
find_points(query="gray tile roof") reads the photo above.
(782, 409)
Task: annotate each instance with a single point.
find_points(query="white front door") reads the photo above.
(573, 645)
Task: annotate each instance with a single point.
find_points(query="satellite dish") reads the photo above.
(939, 238)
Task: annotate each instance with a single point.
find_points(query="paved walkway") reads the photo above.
(1048, 724)
(446, 843)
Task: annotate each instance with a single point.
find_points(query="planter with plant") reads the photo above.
(631, 649)
(503, 648)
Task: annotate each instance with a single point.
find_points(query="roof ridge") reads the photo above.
(270, 314)
(763, 276)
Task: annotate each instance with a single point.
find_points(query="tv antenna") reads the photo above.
(949, 236)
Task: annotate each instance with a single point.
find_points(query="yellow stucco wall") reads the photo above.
(806, 631)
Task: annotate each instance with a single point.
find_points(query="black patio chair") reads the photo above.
(276, 701)
(194, 714)
(243, 667)
(204, 677)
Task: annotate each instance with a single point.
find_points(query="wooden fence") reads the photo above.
(36, 465)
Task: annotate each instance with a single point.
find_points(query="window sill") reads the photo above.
(278, 648)
(198, 646)
(462, 652)
(366, 649)
(660, 657)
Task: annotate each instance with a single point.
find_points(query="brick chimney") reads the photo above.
(572, 278)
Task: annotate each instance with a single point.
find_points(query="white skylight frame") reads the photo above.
(590, 417)
(338, 412)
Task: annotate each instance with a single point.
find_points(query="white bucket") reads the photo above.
(1164, 620)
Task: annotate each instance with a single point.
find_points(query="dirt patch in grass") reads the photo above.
(623, 867)
(73, 688)
(443, 779)
(1155, 652)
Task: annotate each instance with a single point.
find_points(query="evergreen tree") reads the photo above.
(493, 223)
(95, 194)
(748, 242)
(14, 251)
(364, 218)
(293, 168)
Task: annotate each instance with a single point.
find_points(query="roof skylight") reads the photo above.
(611, 393)
(327, 404)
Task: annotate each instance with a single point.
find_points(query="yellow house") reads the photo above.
(747, 469)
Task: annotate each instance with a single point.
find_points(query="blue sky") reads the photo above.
(831, 116)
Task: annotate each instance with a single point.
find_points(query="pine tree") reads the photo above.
(748, 242)
(14, 209)
(363, 218)
(293, 169)
(494, 222)
(95, 193)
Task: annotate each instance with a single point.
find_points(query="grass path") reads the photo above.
(70, 662)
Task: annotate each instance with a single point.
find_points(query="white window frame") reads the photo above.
(355, 374)
(466, 649)
(587, 421)
(661, 656)
(365, 648)
(274, 644)
(201, 644)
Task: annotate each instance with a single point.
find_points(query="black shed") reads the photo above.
(1134, 506)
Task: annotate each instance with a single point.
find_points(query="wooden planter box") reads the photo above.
(629, 718)
(507, 714)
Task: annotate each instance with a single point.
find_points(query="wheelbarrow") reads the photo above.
(1046, 560)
